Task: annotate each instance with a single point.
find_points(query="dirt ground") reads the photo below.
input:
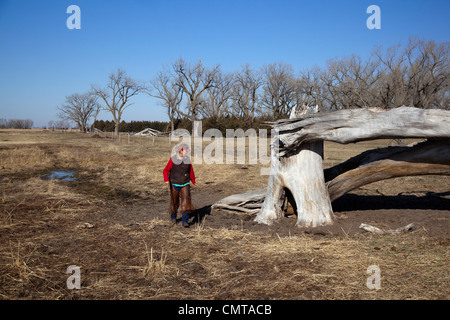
(425, 210)
(119, 234)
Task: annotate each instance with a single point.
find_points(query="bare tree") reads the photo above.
(216, 97)
(165, 88)
(310, 89)
(391, 90)
(116, 96)
(351, 80)
(245, 92)
(278, 88)
(193, 81)
(79, 108)
(429, 71)
(95, 115)
(416, 75)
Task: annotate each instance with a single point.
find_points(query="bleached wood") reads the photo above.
(377, 230)
(353, 125)
(249, 202)
(301, 172)
(238, 207)
(426, 158)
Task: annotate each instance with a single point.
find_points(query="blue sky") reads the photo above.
(42, 61)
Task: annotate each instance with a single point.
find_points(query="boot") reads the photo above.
(185, 219)
(173, 219)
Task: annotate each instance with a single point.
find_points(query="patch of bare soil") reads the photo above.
(427, 210)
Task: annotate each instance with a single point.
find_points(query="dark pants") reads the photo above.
(186, 204)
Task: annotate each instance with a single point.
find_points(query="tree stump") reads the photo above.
(300, 172)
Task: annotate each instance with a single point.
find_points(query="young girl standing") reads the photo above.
(178, 174)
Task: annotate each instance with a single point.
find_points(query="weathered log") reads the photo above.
(377, 230)
(365, 158)
(353, 125)
(249, 202)
(425, 158)
(241, 208)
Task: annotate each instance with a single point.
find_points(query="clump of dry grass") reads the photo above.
(155, 268)
(22, 159)
(19, 270)
(18, 263)
(7, 212)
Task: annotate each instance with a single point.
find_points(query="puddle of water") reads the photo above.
(61, 175)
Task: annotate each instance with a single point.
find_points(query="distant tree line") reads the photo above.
(133, 126)
(226, 122)
(416, 74)
(222, 124)
(16, 124)
(63, 124)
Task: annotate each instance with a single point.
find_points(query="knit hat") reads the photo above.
(183, 147)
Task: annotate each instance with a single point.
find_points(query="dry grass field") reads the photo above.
(112, 223)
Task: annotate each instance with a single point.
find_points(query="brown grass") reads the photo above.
(121, 257)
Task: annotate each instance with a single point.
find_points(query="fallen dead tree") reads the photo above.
(297, 153)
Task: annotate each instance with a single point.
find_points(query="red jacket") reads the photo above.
(169, 166)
